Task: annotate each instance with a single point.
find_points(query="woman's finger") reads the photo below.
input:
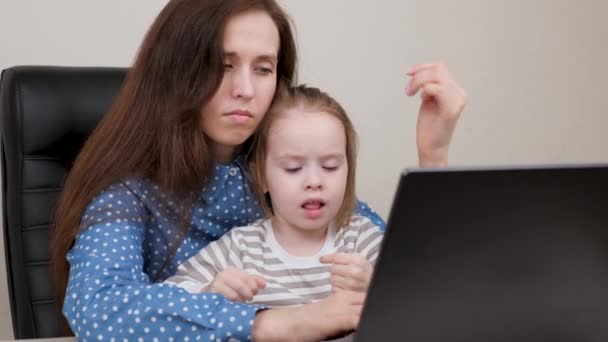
(418, 80)
(430, 90)
(423, 66)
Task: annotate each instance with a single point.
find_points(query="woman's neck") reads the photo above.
(224, 154)
(296, 241)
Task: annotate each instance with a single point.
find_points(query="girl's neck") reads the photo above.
(298, 242)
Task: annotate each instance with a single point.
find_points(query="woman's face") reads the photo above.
(251, 45)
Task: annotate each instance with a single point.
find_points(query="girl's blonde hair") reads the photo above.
(308, 99)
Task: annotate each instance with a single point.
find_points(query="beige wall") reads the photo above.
(534, 71)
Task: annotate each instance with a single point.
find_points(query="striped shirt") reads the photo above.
(290, 280)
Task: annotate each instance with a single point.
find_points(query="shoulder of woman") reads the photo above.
(123, 193)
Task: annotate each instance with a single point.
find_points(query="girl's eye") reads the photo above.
(293, 169)
(330, 168)
(228, 66)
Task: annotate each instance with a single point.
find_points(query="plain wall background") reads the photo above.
(534, 71)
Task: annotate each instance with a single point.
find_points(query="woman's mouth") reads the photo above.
(239, 116)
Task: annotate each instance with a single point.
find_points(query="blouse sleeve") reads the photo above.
(110, 296)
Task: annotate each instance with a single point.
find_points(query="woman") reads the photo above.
(164, 174)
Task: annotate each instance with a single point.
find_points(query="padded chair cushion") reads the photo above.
(46, 114)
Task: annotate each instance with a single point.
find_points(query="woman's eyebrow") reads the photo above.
(272, 58)
(267, 58)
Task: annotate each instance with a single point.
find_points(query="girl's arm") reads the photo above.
(218, 268)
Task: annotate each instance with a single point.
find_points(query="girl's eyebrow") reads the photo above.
(339, 156)
(289, 157)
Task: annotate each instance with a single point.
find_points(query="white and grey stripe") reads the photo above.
(250, 249)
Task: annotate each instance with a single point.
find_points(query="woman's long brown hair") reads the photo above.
(153, 128)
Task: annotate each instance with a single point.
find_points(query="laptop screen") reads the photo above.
(493, 255)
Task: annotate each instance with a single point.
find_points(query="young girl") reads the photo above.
(304, 161)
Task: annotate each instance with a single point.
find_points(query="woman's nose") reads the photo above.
(242, 84)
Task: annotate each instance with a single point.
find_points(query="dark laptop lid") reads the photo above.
(515, 254)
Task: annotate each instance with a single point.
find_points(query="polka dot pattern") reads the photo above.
(119, 259)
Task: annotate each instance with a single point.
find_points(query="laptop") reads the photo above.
(517, 254)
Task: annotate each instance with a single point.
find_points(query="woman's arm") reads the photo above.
(109, 292)
(443, 100)
(333, 316)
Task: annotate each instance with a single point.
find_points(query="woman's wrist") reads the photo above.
(262, 329)
(288, 324)
(272, 325)
(437, 159)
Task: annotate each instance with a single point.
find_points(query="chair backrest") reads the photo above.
(46, 113)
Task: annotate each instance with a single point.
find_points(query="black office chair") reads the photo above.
(46, 113)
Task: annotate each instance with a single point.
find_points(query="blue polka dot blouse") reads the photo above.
(120, 257)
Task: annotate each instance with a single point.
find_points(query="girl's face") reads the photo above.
(251, 45)
(306, 169)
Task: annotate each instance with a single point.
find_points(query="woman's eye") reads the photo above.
(264, 70)
(292, 169)
(228, 66)
(330, 168)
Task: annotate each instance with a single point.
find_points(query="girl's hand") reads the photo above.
(349, 271)
(236, 285)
